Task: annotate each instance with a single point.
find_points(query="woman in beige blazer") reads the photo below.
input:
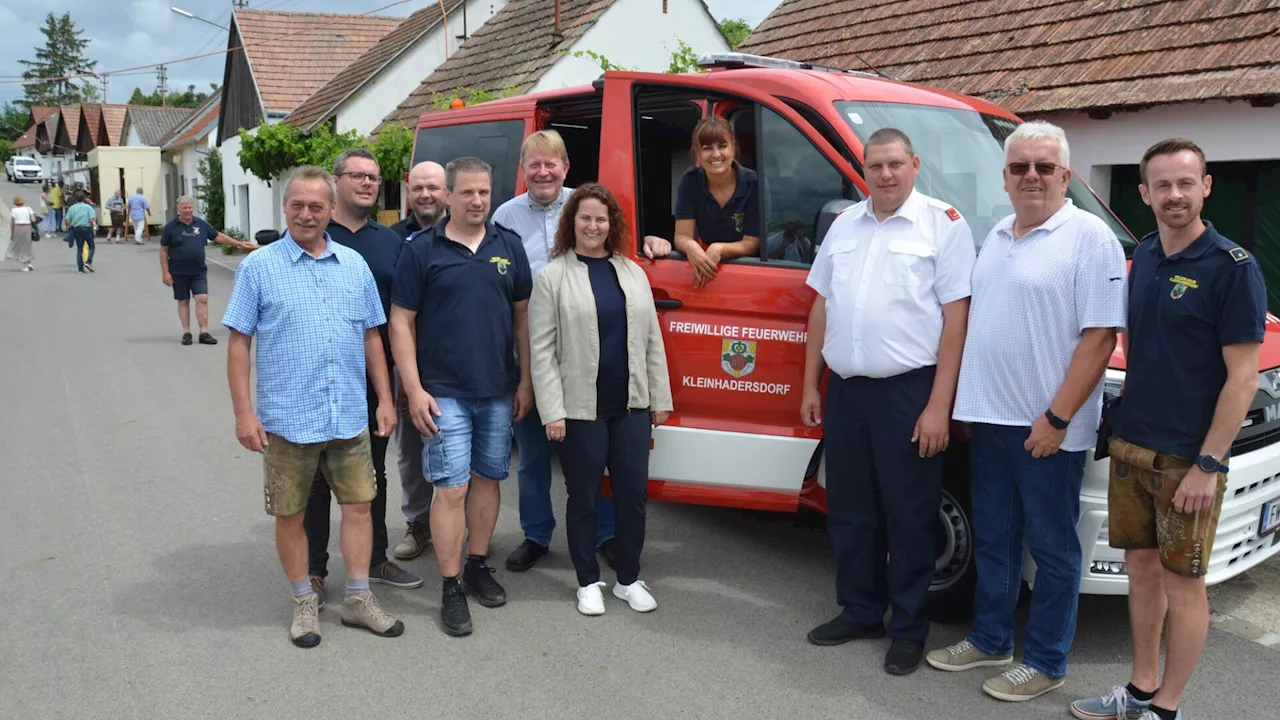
(600, 380)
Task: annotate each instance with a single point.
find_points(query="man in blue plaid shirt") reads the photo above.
(314, 307)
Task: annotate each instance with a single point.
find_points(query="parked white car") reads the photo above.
(21, 168)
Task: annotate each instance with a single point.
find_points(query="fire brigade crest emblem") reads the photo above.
(737, 357)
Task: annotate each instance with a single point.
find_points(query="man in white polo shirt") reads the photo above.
(892, 278)
(1048, 299)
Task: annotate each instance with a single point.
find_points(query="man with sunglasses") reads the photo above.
(358, 182)
(1048, 299)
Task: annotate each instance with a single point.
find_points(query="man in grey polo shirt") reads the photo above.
(1048, 298)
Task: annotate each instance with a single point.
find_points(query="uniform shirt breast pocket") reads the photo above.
(908, 262)
(351, 306)
(844, 266)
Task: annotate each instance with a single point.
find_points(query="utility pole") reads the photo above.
(162, 77)
(241, 4)
(103, 79)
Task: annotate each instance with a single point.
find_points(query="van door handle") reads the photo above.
(668, 304)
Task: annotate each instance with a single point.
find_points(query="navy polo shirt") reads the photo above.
(380, 247)
(186, 245)
(715, 224)
(407, 227)
(466, 335)
(1183, 310)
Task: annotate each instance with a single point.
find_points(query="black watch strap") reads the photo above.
(1057, 422)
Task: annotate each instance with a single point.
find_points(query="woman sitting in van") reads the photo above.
(716, 202)
(600, 379)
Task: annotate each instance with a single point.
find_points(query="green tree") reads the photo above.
(683, 59)
(323, 146)
(191, 98)
(5, 153)
(392, 148)
(50, 74)
(213, 203)
(735, 30)
(272, 150)
(13, 120)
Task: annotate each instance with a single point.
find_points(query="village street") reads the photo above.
(141, 579)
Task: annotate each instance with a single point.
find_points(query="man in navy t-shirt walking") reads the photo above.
(182, 265)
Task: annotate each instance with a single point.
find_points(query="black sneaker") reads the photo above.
(840, 631)
(903, 657)
(525, 556)
(186, 338)
(455, 616)
(207, 339)
(477, 578)
(609, 552)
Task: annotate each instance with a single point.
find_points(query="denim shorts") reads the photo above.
(474, 438)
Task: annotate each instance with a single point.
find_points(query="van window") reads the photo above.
(497, 143)
(663, 132)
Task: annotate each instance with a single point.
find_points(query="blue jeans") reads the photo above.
(1016, 496)
(83, 236)
(537, 518)
(473, 438)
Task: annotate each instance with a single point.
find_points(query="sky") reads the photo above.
(130, 33)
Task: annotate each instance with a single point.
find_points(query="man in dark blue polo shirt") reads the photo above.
(459, 317)
(182, 265)
(357, 178)
(1197, 313)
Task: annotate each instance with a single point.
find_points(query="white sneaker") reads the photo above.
(637, 596)
(591, 600)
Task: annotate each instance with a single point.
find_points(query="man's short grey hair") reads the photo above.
(138, 191)
(311, 172)
(1041, 130)
(186, 199)
(467, 165)
(889, 136)
(340, 164)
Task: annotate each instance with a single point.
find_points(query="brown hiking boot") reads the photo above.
(361, 610)
(305, 631)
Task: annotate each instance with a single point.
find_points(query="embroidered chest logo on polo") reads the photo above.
(501, 264)
(737, 221)
(1181, 285)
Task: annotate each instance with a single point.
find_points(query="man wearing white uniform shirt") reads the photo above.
(892, 278)
(1048, 298)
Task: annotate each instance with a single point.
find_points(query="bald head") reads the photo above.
(427, 192)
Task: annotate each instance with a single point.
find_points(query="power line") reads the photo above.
(189, 58)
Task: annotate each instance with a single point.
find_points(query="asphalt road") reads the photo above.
(141, 579)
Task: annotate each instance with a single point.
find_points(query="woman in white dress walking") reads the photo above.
(21, 221)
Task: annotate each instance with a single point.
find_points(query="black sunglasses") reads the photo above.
(1042, 168)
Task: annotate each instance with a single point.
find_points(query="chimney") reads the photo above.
(557, 32)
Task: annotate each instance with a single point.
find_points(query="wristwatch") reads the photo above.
(1210, 464)
(1057, 422)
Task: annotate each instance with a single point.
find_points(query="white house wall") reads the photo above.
(636, 34)
(263, 211)
(373, 102)
(1224, 130)
(132, 138)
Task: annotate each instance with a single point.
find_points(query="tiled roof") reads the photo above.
(92, 113)
(27, 140)
(153, 123)
(509, 52)
(51, 126)
(204, 119)
(322, 104)
(293, 54)
(40, 112)
(70, 115)
(1043, 56)
(113, 117)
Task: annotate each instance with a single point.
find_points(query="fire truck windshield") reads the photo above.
(961, 158)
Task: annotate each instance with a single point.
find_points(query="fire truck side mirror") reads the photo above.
(827, 215)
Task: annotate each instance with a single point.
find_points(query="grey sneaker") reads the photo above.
(390, 573)
(317, 587)
(1150, 714)
(964, 656)
(362, 611)
(305, 631)
(1021, 683)
(1119, 705)
(416, 539)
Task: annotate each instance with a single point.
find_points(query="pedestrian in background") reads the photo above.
(183, 268)
(313, 306)
(426, 207)
(601, 383)
(139, 211)
(46, 211)
(535, 216)
(1048, 298)
(115, 206)
(83, 222)
(1197, 316)
(22, 225)
(55, 201)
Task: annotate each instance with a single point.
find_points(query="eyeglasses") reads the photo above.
(1042, 168)
(361, 177)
